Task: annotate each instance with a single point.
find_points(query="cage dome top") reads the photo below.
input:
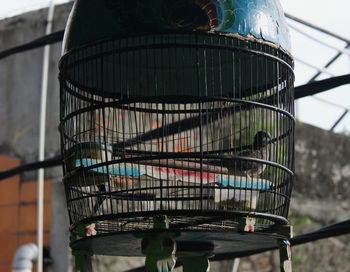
(92, 20)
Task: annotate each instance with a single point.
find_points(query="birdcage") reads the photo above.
(197, 126)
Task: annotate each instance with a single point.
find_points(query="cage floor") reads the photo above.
(129, 244)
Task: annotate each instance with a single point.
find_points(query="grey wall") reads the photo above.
(20, 77)
(321, 192)
(20, 86)
(320, 197)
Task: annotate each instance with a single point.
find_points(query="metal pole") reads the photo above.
(235, 265)
(339, 120)
(327, 65)
(340, 50)
(42, 132)
(319, 69)
(330, 103)
(317, 28)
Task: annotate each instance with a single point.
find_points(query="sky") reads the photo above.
(14, 7)
(331, 15)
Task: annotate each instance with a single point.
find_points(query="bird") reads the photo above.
(248, 168)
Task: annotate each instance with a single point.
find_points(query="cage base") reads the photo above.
(188, 242)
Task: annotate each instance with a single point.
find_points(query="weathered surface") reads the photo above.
(322, 164)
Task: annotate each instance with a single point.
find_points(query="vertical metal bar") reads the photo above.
(235, 264)
(200, 120)
(339, 120)
(42, 130)
(105, 122)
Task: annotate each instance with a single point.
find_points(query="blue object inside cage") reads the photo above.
(135, 170)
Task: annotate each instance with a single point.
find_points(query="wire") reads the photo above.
(337, 229)
(300, 92)
(321, 86)
(54, 161)
(339, 120)
(318, 69)
(58, 36)
(42, 41)
(333, 230)
(344, 51)
(330, 103)
(328, 64)
(316, 27)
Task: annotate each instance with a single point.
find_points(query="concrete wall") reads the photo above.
(321, 189)
(320, 197)
(20, 86)
(321, 193)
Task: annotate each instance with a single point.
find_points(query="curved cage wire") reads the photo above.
(198, 127)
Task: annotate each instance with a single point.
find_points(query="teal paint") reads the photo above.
(92, 20)
(227, 15)
(263, 19)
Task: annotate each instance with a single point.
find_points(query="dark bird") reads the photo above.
(246, 167)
